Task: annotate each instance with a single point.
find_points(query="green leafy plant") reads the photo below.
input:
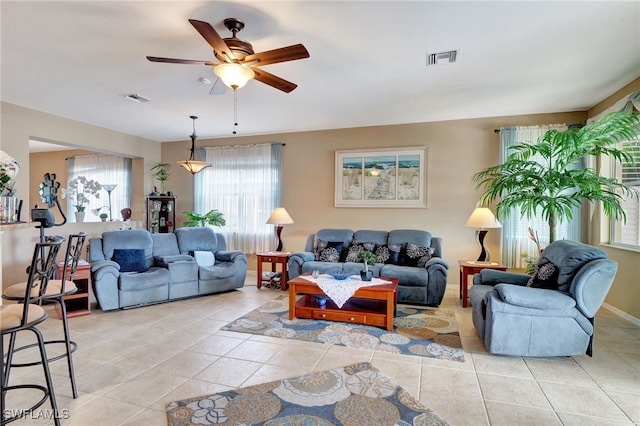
(213, 218)
(368, 258)
(161, 173)
(554, 186)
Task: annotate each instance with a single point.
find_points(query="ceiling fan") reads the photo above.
(238, 62)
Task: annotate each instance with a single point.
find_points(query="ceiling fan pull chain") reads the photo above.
(235, 110)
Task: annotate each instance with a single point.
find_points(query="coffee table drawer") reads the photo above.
(339, 316)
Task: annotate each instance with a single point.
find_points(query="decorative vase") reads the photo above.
(79, 217)
(8, 209)
(366, 275)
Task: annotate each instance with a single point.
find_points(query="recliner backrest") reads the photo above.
(330, 234)
(165, 244)
(569, 256)
(128, 239)
(196, 239)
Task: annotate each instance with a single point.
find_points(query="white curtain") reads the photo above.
(105, 169)
(516, 245)
(244, 184)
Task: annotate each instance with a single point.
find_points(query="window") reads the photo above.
(628, 234)
(104, 169)
(516, 245)
(244, 184)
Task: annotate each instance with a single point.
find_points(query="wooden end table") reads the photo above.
(78, 303)
(275, 258)
(472, 267)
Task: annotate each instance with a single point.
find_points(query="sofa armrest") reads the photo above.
(105, 265)
(493, 277)
(230, 256)
(535, 298)
(436, 261)
(295, 262)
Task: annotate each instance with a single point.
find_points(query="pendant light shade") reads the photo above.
(192, 165)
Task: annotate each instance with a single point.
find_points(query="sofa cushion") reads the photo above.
(545, 275)
(329, 251)
(130, 260)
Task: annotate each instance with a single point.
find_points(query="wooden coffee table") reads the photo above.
(374, 305)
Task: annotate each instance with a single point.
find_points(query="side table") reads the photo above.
(275, 258)
(78, 303)
(472, 267)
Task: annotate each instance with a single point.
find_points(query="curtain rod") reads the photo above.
(568, 125)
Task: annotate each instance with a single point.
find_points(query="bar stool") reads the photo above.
(55, 292)
(24, 317)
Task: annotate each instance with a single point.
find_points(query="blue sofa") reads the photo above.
(134, 267)
(421, 280)
(548, 314)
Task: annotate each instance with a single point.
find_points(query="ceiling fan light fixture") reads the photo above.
(233, 75)
(192, 165)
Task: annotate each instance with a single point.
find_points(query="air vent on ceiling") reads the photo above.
(134, 97)
(435, 58)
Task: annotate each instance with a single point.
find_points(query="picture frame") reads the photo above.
(386, 177)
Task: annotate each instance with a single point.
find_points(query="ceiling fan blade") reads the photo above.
(181, 61)
(273, 81)
(213, 38)
(284, 54)
(218, 88)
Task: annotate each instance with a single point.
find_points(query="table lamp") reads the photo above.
(279, 217)
(482, 218)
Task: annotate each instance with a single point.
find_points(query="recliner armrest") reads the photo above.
(229, 255)
(493, 277)
(436, 261)
(302, 256)
(534, 298)
(104, 264)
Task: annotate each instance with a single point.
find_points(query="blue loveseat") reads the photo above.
(134, 267)
(550, 313)
(413, 256)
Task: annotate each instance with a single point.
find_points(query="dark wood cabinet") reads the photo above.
(161, 213)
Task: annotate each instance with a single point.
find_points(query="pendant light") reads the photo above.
(192, 165)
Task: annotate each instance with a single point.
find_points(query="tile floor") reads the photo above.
(131, 363)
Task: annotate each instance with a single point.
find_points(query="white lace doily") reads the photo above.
(339, 291)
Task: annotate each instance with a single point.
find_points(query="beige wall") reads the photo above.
(456, 150)
(624, 294)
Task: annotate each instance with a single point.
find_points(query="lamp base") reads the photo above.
(485, 256)
(278, 232)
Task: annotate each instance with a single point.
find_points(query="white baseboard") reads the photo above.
(623, 314)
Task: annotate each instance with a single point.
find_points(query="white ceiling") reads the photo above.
(367, 65)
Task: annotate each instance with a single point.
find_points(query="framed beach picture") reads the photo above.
(387, 177)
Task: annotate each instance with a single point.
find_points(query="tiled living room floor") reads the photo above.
(130, 363)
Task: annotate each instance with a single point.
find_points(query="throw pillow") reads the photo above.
(382, 254)
(545, 276)
(329, 251)
(394, 254)
(353, 252)
(130, 260)
(415, 255)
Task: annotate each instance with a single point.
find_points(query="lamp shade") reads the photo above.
(482, 218)
(233, 75)
(279, 217)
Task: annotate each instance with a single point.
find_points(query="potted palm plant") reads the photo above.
(213, 218)
(554, 186)
(367, 258)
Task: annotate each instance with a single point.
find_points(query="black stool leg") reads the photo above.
(47, 375)
(67, 341)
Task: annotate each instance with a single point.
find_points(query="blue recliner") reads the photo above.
(550, 313)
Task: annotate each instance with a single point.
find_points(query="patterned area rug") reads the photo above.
(426, 332)
(354, 395)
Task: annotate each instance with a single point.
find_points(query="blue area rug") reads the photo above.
(358, 394)
(426, 332)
